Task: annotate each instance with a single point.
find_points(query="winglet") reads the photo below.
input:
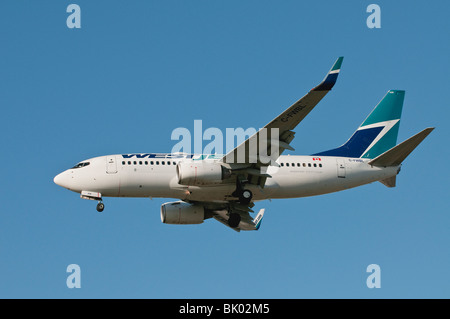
(329, 81)
(258, 218)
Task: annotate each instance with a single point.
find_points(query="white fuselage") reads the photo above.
(141, 175)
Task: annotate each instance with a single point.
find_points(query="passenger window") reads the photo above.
(146, 163)
(174, 163)
(168, 162)
(315, 165)
(298, 164)
(320, 165)
(162, 163)
(309, 164)
(304, 165)
(287, 164)
(157, 162)
(134, 163)
(140, 162)
(129, 163)
(282, 164)
(123, 162)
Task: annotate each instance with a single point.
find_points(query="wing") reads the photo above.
(265, 146)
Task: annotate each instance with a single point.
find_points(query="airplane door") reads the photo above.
(340, 167)
(111, 165)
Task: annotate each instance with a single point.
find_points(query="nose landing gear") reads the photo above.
(100, 207)
(94, 196)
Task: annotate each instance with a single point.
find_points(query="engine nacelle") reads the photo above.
(182, 213)
(200, 173)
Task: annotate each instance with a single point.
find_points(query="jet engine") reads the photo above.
(200, 173)
(182, 213)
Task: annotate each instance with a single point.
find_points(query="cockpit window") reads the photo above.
(82, 164)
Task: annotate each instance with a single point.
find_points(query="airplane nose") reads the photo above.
(61, 180)
(58, 179)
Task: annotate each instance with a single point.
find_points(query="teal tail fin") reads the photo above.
(378, 133)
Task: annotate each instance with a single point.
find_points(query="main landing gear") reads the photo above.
(100, 207)
(234, 220)
(245, 196)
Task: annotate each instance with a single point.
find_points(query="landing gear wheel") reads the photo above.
(234, 220)
(245, 197)
(100, 207)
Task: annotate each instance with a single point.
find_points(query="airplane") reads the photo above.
(219, 187)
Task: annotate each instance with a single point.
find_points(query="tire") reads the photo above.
(100, 207)
(234, 220)
(247, 194)
(245, 197)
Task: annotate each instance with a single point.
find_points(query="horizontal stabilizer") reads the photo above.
(389, 182)
(396, 155)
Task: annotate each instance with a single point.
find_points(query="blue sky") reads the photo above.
(136, 70)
